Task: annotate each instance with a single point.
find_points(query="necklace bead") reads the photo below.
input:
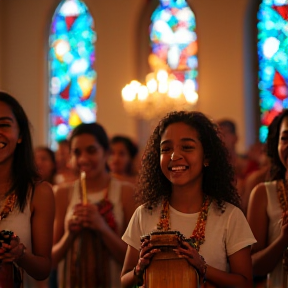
(198, 235)
(8, 206)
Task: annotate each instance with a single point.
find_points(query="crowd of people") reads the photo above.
(76, 217)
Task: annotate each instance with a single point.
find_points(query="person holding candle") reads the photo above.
(186, 184)
(26, 203)
(87, 234)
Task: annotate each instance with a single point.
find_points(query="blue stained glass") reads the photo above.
(72, 78)
(173, 39)
(273, 60)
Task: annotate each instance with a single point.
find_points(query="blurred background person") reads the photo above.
(122, 161)
(64, 173)
(46, 163)
(87, 236)
(244, 164)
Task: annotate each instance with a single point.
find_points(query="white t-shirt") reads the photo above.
(225, 233)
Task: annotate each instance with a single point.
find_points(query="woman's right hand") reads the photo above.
(147, 251)
(75, 222)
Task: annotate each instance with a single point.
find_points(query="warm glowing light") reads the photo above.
(128, 94)
(162, 76)
(191, 97)
(175, 89)
(162, 93)
(163, 87)
(152, 85)
(143, 93)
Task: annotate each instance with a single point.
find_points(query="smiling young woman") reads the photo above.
(87, 236)
(187, 185)
(268, 205)
(22, 195)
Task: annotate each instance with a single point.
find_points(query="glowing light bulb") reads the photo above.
(152, 85)
(175, 89)
(162, 76)
(135, 84)
(163, 87)
(191, 96)
(142, 93)
(128, 93)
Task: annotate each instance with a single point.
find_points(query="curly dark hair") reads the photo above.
(277, 170)
(218, 177)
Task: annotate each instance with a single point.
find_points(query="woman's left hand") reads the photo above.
(91, 217)
(13, 251)
(192, 256)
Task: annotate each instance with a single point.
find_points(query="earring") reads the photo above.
(206, 164)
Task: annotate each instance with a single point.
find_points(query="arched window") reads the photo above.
(273, 60)
(72, 78)
(173, 41)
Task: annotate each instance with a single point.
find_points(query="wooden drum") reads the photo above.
(6, 275)
(7, 270)
(285, 269)
(166, 268)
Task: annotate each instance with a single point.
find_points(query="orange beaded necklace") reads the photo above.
(198, 235)
(8, 206)
(283, 199)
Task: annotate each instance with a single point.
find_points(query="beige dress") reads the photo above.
(20, 224)
(114, 195)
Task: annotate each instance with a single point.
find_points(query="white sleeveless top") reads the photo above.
(114, 195)
(20, 224)
(274, 211)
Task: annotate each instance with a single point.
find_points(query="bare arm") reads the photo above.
(128, 279)
(241, 271)
(264, 256)
(135, 263)
(37, 263)
(116, 245)
(61, 241)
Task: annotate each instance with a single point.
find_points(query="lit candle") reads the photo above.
(83, 187)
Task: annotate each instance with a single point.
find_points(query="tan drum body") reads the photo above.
(169, 271)
(6, 275)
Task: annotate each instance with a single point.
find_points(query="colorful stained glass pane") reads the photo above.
(173, 40)
(72, 78)
(273, 60)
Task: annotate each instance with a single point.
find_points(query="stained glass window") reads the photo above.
(173, 41)
(72, 78)
(273, 61)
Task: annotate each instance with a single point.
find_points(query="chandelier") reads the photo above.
(161, 93)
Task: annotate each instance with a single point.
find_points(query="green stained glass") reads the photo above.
(273, 60)
(72, 78)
